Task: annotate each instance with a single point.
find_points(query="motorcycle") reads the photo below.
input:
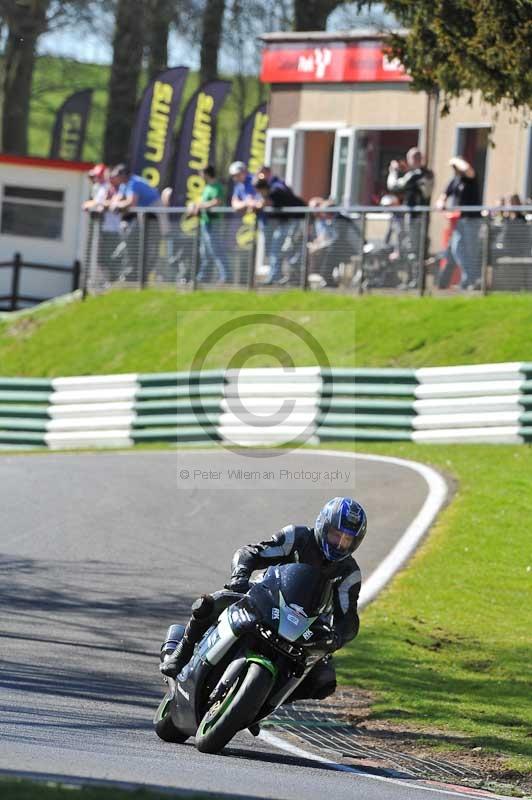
(261, 648)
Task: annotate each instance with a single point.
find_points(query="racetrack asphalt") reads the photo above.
(100, 552)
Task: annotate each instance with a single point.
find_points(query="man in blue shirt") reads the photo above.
(132, 190)
(244, 195)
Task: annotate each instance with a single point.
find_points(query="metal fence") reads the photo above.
(24, 284)
(358, 249)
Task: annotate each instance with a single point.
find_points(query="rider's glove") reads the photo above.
(328, 638)
(239, 585)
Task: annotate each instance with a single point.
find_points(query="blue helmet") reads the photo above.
(340, 528)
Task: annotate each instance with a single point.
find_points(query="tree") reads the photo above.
(128, 45)
(467, 45)
(311, 15)
(211, 37)
(159, 16)
(25, 22)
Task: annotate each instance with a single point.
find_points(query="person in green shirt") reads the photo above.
(212, 228)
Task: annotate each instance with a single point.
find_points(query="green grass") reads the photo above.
(447, 646)
(57, 78)
(157, 330)
(29, 790)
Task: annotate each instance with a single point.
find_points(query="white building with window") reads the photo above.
(41, 219)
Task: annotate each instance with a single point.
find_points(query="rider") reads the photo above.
(337, 533)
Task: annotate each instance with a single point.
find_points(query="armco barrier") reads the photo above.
(483, 403)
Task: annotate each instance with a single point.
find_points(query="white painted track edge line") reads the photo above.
(281, 744)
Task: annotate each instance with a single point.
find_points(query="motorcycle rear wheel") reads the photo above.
(235, 711)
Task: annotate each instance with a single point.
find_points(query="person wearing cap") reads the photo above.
(99, 178)
(243, 197)
(464, 245)
(131, 190)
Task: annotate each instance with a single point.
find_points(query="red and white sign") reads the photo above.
(338, 62)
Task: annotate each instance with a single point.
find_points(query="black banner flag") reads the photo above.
(70, 127)
(250, 150)
(196, 146)
(151, 143)
(252, 140)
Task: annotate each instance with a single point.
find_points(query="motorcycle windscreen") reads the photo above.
(292, 622)
(302, 586)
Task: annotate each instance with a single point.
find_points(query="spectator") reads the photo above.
(325, 233)
(102, 192)
(244, 195)
(211, 238)
(272, 179)
(131, 190)
(99, 178)
(286, 240)
(104, 229)
(514, 239)
(462, 190)
(415, 185)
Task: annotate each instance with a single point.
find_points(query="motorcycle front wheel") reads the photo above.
(236, 711)
(164, 726)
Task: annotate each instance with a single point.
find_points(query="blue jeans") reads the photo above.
(282, 231)
(212, 249)
(465, 249)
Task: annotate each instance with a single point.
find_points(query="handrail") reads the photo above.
(333, 209)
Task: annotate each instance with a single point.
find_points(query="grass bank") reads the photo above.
(157, 330)
(447, 646)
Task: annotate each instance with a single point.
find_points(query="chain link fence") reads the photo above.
(358, 249)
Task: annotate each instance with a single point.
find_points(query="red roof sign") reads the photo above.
(338, 62)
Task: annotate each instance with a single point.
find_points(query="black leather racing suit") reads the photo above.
(297, 543)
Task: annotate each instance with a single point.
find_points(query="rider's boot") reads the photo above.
(199, 622)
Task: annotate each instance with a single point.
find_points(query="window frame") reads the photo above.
(290, 135)
(527, 178)
(343, 133)
(26, 201)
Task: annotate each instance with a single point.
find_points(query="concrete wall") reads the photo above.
(360, 105)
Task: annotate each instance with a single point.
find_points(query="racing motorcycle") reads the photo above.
(261, 648)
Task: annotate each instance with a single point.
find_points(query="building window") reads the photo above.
(374, 149)
(472, 144)
(28, 211)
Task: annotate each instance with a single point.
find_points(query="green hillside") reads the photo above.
(57, 78)
(159, 330)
